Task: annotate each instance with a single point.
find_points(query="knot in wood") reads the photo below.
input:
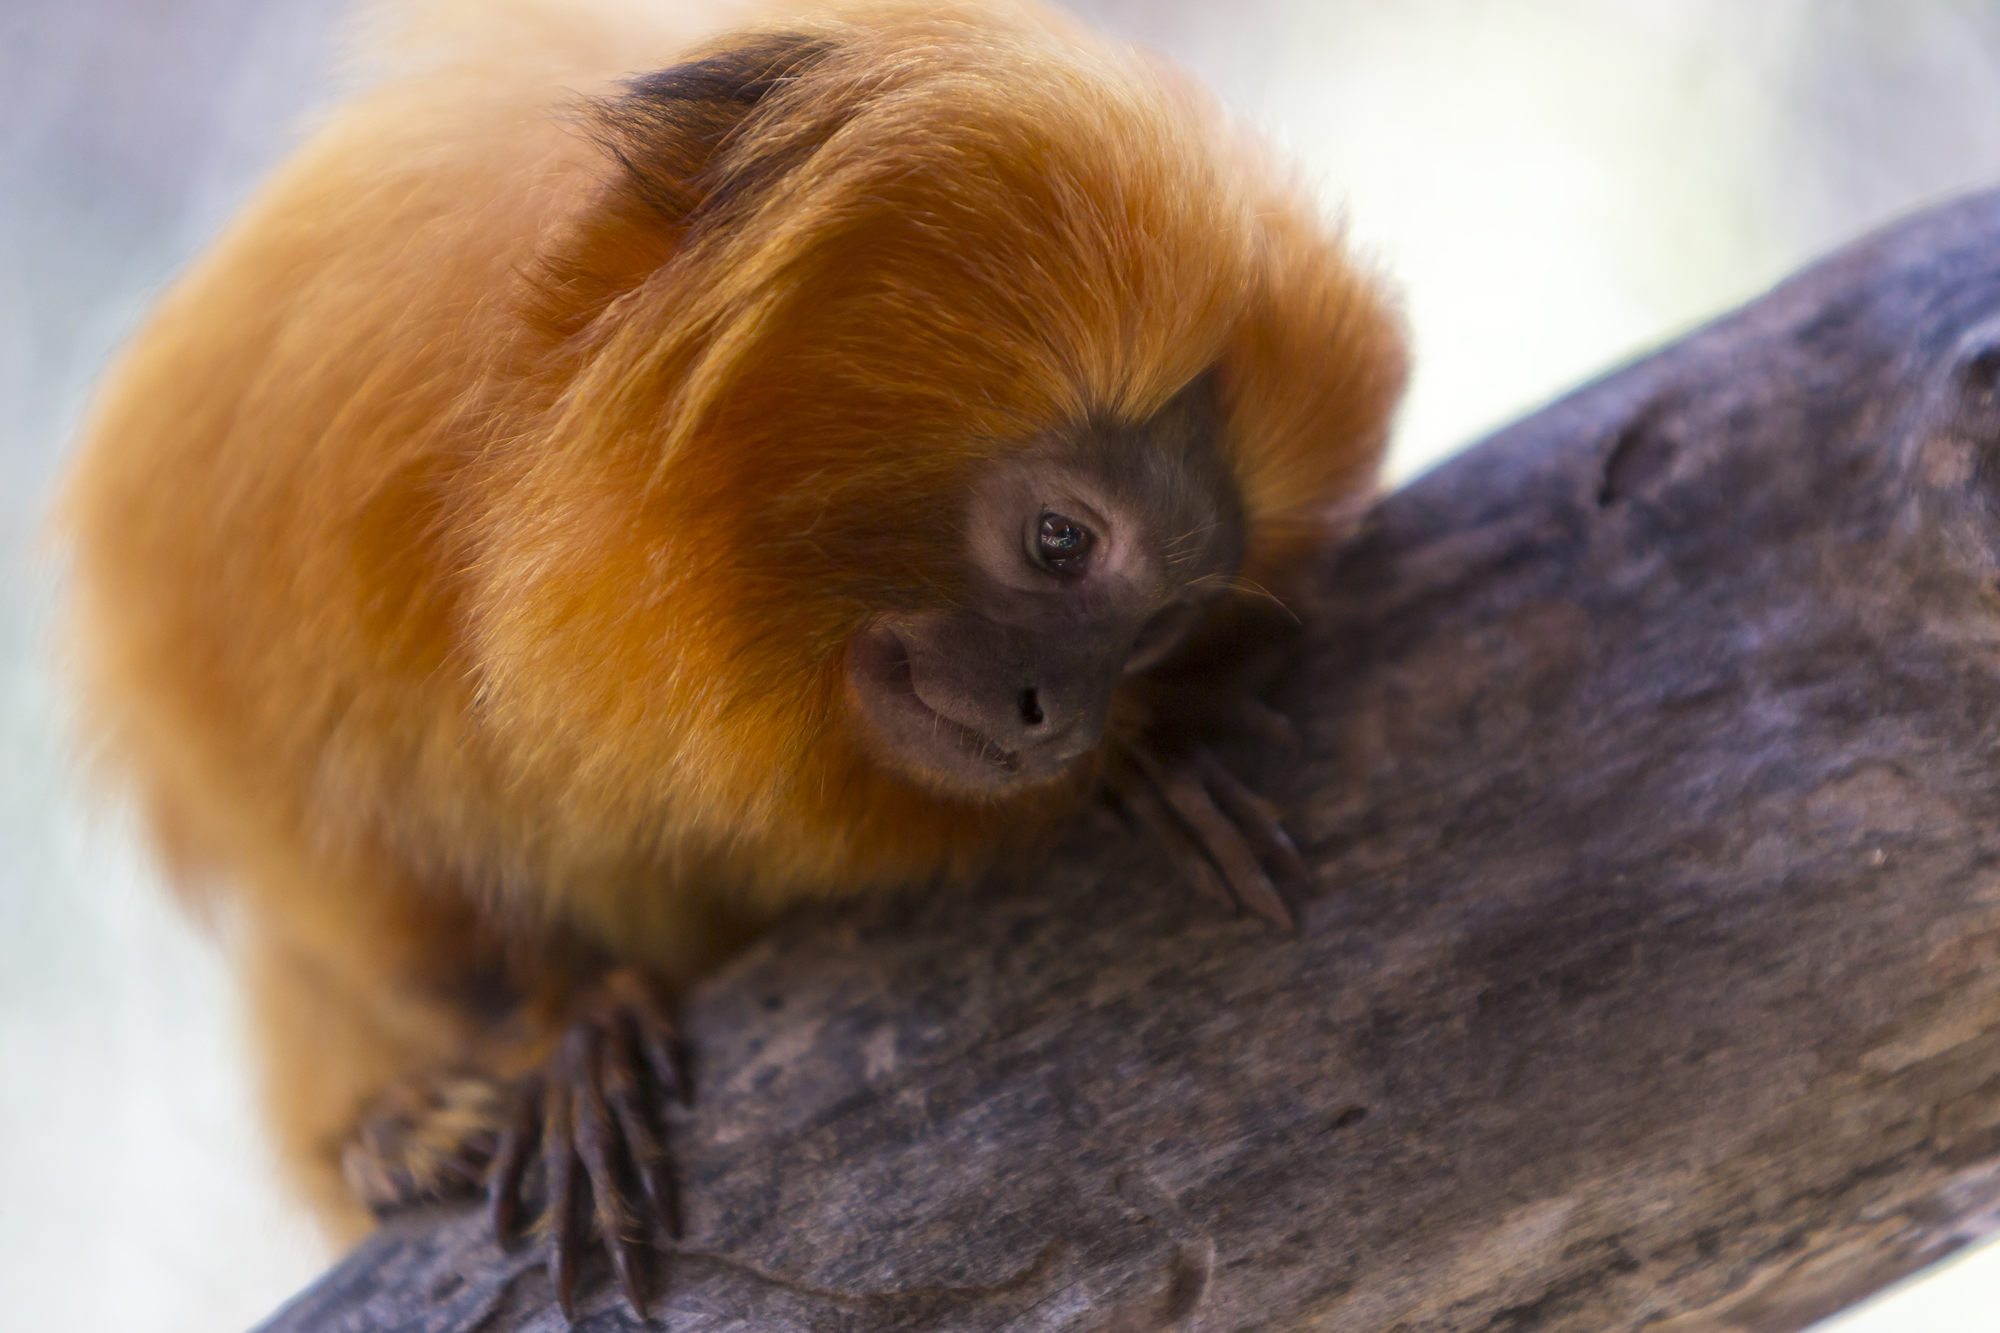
(1640, 458)
(1976, 367)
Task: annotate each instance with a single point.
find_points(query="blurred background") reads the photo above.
(1558, 185)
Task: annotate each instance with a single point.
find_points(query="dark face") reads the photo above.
(1087, 558)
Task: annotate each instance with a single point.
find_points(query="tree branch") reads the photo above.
(1652, 785)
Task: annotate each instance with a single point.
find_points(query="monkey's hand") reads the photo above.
(425, 1139)
(585, 1130)
(1224, 838)
(593, 1118)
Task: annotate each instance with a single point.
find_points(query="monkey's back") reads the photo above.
(260, 619)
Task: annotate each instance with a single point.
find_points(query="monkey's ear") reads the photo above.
(679, 152)
(675, 132)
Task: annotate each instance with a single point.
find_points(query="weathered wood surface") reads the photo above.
(1654, 982)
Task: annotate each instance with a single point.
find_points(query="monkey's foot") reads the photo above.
(1224, 838)
(425, 1140)
(593, 1117)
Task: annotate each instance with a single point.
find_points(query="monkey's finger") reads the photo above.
(1112, 796)
(510, 1159)
(1220, 838)
(367, 1173)
(628, 1102)
(1151, 809)
(1258, 821)
(476, 1151)
(464, 1166)
(656, 1033)
(565, 1180)
(1259, 719)
(667, 1063)
(597, 1142)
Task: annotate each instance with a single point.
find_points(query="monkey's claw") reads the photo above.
(1222, 836)
(593, 1117)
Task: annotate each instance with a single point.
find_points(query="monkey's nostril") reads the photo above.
(1031, 708)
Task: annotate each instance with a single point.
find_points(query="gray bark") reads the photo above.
(1654, 976)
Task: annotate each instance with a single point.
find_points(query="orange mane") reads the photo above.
(731, 349)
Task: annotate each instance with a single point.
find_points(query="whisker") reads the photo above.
(1248, 587)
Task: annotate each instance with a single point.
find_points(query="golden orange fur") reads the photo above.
(464, 553)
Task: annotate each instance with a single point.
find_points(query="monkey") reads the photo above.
(630, 473)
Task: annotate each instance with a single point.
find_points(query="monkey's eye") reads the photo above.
(1062, 544)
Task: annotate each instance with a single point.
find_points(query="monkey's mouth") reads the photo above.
(914, 733)
(899, 678)
(903, 681)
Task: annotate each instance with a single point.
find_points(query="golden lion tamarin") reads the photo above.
(575, 513)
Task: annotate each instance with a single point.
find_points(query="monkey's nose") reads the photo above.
(1031, 707)
(1050, 725)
